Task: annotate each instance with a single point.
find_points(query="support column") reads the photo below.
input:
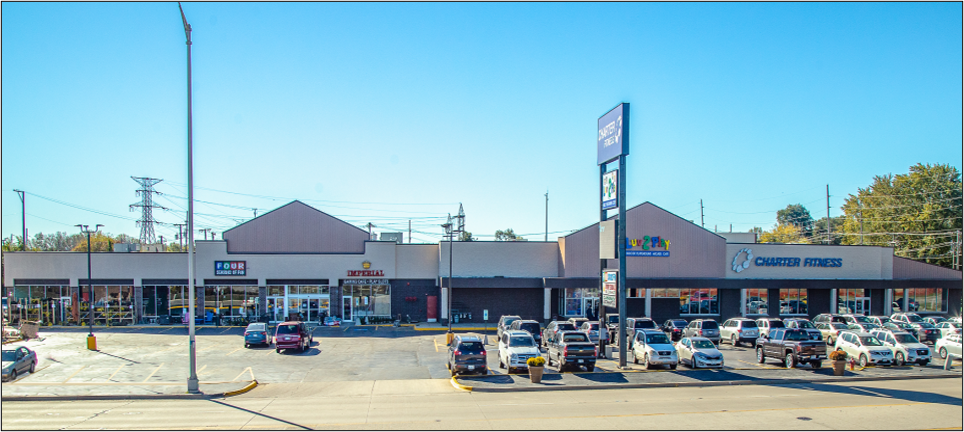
(833, 301)
(742, 302)
(649, 303)
(547, 303)
(139, 303)
(445, 304)
(888, 301)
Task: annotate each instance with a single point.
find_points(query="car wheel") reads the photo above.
(863, 361)
(501, 364)
(816, 364)
(33, 366)
(548, 359)
(590, 368)
(733, 340)
(247, 345)
(646, 361)
(635, 358)
(278, 350)
(830, 340)
(899, 359)
(672, 367)
(13, 375)
(922, 363)
(943, 352)
(789, 361)
(760, 358)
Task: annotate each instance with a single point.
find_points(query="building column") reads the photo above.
(649, 303)
(833, 301)
(888, 301)
(262, 301)
(546, 303)
(139, 303)
(445, 304)
(742, 302)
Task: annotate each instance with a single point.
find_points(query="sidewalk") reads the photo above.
(458, 328)
(553, 380)
(31, 391)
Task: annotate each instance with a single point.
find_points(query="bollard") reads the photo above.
(92, 343)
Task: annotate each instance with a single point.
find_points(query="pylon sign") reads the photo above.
(611, 142)
(610, 281)
(610, 186)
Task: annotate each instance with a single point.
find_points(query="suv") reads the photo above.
(906, 348)
(504, 322)
(826, 317)
(467, 354)
(829, 331)
(530, 326)
(706, 328)
(856, 319)
(739, 330)
(767, 324)
(880, 320)
(674, 328)
(804, 324)
(634, 324)
(925, 331)
(866, 348)
(792, 346)
(549, 333)
(652, 347)
(292, 335)
(572, 348)
(515, 348)
(908, 317)
(577, 321)
(591, 328)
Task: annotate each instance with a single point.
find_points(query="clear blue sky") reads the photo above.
(383, 112)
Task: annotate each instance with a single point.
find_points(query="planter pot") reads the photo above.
(838, 367)
(535, 374)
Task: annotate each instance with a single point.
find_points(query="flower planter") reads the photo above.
(838, 367)
(535, 374)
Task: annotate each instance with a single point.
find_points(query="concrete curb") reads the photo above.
(699, 384)
(185, 396)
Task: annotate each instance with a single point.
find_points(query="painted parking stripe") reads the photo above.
(75, 373)
(202, 369)
(152, 373)
(232, 352)
(227, 329)
(115, 373)
(242, 373)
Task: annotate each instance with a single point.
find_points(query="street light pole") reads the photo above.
(192, 381)
(91, 340)
(448, 231)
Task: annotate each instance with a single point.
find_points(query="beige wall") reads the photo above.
(416, 261)
(508, 259)
(859, 262)
(104, 265)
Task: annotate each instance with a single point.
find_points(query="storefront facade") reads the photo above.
(299, 263)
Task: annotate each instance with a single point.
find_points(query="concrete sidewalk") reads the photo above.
(31, 391)
(553, 380)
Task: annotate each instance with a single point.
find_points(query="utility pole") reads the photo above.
(828, 214)
(701, 214)
(205, 231)
(255, 212)
(192, 381)
(147, 205)
(860, 217)
(180, 235)
(409, 231)
(370, 226)
(23, 210)
(547, 216)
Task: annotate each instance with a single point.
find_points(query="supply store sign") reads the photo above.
(647, 247)
(230, 268)
(609, 184)
(610, 281)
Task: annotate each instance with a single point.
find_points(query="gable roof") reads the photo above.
(295, 228)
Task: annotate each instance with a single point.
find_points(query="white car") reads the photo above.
(739, 330)
(948, 328)
(515, 348)
(906, 348)
(767, 324)
(865, 348)
(697, 352)
(948, 345)
(653, 347)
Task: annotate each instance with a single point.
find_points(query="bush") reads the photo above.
(536, 362)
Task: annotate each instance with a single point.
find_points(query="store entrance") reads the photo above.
(276, 309)
(308, 308)
(590, 308)
(853, 301)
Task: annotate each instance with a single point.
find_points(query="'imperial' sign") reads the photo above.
(229, 268)
(366, 273)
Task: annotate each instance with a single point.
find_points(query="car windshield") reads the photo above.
(530, 327)
(869, 341)
(256, 327)
(645, 324)
(575, 338)
(927, 325)
(9, 356)
(749, 324)
(613, 319)
(777, 324)
(509, 321)
(565, 326)
(804, 324)
(906, 338)
(884, 320)
(914, 318)
(703, 343)
(522, 341)
(471, 347)
(657, 338)
(797, 336)
(839, 326)
(870, 326)
(679, 323)
(288, 329)
(711, 325)
(861, 319)
(954, 325)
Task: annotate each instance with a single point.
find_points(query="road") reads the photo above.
(434, 404)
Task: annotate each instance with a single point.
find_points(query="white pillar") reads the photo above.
(649, 303)
(445, 303)
(833, 301)
(546, 303)
(742, 302)
(888, 301)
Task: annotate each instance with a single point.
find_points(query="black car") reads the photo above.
(530, 326)
(674, 328)
(467, 355)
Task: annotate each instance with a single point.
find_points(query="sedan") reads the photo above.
(945, 346)
(18, 361)
(256, 334)
(697, 352)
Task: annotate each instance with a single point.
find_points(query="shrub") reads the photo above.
(536, 362)
(838, 354)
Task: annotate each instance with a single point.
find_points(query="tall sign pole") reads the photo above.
(612, 143)
(192, 381)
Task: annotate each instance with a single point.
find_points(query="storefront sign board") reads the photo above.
(610, 182)
(230, 268)
(610, 142)
(610, 282)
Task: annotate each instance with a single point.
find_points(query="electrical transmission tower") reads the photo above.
(146, 192)
(461, 218)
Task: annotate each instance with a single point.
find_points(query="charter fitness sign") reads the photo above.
(744, 258)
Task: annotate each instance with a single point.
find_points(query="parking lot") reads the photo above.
(159, 356)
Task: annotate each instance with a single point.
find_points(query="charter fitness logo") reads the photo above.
(740, 266)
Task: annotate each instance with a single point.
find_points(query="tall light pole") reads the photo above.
(23, 210)
(192, 382)
(449, 232)
(91, 340)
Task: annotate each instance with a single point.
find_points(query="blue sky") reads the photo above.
(382, 112)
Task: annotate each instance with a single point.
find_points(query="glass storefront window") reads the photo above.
(698, 301)
(757, 301)
(922, 299)
(853, 301)
(50, 305)
(793, 301)
(369, 300)
(581, 302)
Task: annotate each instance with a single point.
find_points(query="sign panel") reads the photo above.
(485, 314)
(610, 143)
(610, 181)
(610, 284)
(646, 247)
(607, 239)
(230, 268)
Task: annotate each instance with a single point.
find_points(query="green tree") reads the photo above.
(99, 242)
(506, 235)
(785, 233)
(796, 215)
(466, 236)
(917, 213)
(819, 233)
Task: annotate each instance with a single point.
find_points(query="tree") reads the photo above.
(819, 233)
(466, 236)
(917, 213)
(785, 233)
(506, 235)
(796, 215)
(99, 242)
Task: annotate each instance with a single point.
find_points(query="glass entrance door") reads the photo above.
(590, 307)
(276, 309)
(346, 311)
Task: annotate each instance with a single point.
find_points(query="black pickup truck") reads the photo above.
(571, 348)
(792, 346)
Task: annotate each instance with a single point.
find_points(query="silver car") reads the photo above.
(18, 361)
(906, 348)
(949, 345)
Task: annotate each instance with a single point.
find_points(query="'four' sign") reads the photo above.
(229, 268)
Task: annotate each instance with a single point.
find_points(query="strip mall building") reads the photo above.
(299, 261)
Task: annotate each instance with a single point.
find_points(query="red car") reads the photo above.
(292, 335)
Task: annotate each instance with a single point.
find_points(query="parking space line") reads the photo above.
(435, 341)
(232, 352)
(226, 330)
(165, 330)
(152, 373)
(242, 373)
(75, 373)
(202, 369)
(346, 328)
(115, 373)
(208, 348)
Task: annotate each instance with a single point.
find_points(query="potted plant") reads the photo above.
(839, 358)
(536, 366)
